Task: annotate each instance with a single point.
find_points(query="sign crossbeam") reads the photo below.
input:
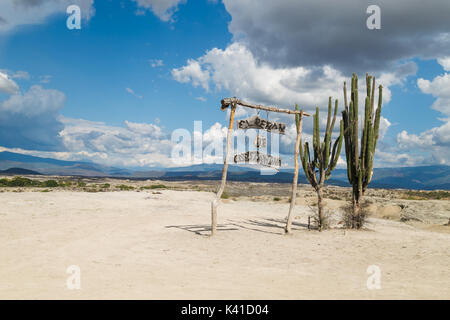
(235, 101)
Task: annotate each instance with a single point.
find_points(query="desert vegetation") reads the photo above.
(426, 195)
(360, 150)
(72, 184)
(26, 182)
(319, 168)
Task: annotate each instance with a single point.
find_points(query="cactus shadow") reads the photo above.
(267, 225)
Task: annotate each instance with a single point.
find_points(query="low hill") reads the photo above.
(51, 166)
(19, 171)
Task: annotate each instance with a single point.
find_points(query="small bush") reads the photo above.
(106, 186)
(155, 186)
(225, 195)
(21, 182)
(426, 195)
(325, 223)
(50, 184)
(81, 184)
(63, 184)
(276, 199)
(124, 187)
(158, 186)
(355, 222)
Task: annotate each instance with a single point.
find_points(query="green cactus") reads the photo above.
(319, 169)
(360, 162)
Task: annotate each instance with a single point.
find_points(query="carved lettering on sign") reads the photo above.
(260, 142)
(256, 122)
(255, 157)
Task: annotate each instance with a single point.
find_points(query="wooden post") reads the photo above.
(287, 229)
(215, 202)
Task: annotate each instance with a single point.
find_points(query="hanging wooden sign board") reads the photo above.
(255, 157)
(255, 122)
(266, 160)
(260, 142)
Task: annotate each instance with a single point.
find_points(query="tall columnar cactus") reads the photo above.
(360, 160)
(326, 156)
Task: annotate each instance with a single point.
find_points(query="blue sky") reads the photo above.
(114, 91)
(112, 52)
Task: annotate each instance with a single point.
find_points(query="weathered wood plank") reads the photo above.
(256, 157)
(255, 122)
(260, 142)
(229, 101)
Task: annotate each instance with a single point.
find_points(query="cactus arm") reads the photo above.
(368, 78)
(327, 140)
(356, 124)
(336, 152)
(378, 115)
(347, 145)
(369, 160)
(327, 130)
(334, 116)
(364, 132)
(372, 97)
(318, 169)
(304, 159)
(316, 139)
(310, 168)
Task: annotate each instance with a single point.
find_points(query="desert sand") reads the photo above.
(147, 245)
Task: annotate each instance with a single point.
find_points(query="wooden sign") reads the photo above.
(255, 157)
(261, 142)
(256, 122)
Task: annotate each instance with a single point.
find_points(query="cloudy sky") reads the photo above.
(115, 90)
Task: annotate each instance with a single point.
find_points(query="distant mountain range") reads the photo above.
(422, 178)
(51, 166)
(18, 171)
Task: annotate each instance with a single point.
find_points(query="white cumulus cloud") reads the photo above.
(434, 143)
(15, 13)
(7, 85)
(163, 9)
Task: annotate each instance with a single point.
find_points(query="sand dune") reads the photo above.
(155, 246)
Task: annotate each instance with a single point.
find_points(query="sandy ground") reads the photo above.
(140, 245)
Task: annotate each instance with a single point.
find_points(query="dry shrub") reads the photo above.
(326, 221)
(352, 221)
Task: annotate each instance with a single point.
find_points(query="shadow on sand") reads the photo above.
(265, 225)
(202, 229)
